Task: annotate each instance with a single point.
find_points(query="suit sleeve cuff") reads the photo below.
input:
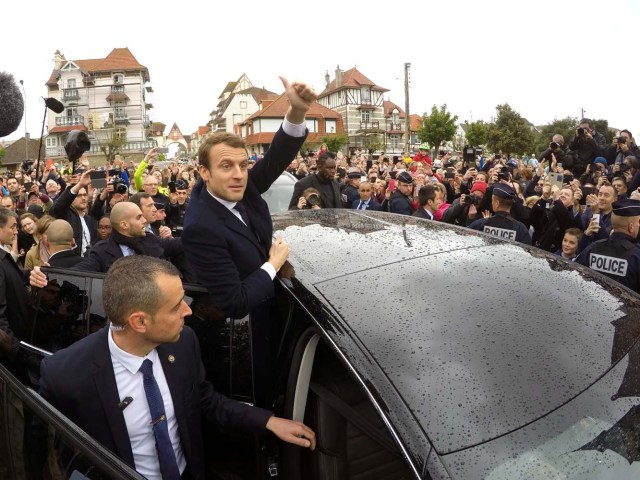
(294, 129)
(267, 267)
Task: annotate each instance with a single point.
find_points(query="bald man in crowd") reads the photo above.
(128, 237)
(60, 244)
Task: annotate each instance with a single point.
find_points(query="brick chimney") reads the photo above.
(327, 79)
(338, 76)
(58, 60)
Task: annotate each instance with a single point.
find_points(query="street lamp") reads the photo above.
(26, 134)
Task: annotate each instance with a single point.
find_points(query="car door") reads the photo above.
(37, 441)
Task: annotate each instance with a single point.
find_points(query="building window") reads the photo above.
(118, 79)
(395, 118)
(71, 111)
(330, 126)
(71, 83)
(52, 141)
(243, 105)
(120, 112)
(365, 116)
(365, 95)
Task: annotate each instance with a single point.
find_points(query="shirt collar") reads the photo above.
(229, 205)
(127, 360)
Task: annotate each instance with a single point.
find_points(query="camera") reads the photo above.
(469, 154)
(621, 140)
(623, 167)
(312, 199)
(503, 174)
(554, 145)
(119, 185)
(27, 166)
(470, 199)
(581, 131)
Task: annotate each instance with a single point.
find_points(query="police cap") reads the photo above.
(405, 177)
(159, 206)
(354, 173)
(504, 191)
(626, 208)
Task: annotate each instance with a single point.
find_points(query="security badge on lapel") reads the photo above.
(171, 359)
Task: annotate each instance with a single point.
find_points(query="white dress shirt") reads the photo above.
(136, 415)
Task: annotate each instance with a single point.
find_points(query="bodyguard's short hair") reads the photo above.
(135, 198)
(426, 193)
(139, 271)
(324, 156)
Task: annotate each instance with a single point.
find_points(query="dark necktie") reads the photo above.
(166, 456)
(243, 213)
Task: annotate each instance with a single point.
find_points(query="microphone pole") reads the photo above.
(57, 107)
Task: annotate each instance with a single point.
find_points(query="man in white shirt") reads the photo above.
(138, 387)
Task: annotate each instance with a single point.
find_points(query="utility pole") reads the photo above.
(407, 123)
(581, 113)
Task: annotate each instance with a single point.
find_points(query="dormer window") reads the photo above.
(118, 79)
(365, 95)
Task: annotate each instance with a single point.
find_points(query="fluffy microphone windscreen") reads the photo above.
(53, 104)
(11, 105)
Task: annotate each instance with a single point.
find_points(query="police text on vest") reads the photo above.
(500, 232)
(610, 265)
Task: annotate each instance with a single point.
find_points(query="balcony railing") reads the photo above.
(396, 126)
(138, 146)
(122, 119)
(70, 94)
(65, 120)
(117, 88)
(369, 125)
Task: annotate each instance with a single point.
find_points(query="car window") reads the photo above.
(37, 442)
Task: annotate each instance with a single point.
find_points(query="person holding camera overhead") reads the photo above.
(586, 143)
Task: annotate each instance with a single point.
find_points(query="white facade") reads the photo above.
(108, 104)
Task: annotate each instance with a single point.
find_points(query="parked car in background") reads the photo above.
(415, 350)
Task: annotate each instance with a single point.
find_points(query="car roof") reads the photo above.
(477, 336)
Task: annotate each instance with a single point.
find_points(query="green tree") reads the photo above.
(111, 141)
(476, 133)
(2, 153)
(510, 133)
(602, 126)
(335, 142)
(563, 126)
(438, 127)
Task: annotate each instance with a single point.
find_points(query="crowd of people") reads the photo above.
(207, 220)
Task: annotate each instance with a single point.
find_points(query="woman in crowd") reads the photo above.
(27, 237)
(38, 254)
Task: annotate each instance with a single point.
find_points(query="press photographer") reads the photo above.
(310, 199)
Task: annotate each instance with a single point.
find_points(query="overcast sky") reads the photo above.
(547, 59)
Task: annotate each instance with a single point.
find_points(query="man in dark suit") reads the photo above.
(138, 386)
(16, 314)
(227, 227)
(323, 180)
(429, 201)
(366, 200)
(60, 244)
(71, 206)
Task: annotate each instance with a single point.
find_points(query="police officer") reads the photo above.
(501, 224)
(349, 191)
(618, 256)
(401, 200)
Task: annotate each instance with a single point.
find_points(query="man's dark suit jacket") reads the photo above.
(373, 205)
(79, 381)
(422, 213)
(311, 181)
(61, 209)
(105, 252)
(64, 259)
(16, 314)
(224, 254)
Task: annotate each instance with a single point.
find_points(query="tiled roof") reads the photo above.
(352, 79)
(68, 128)
(266, 138)
(388, 108)
(120, 59)
(415, 122)
(15, 152)
(280, 105)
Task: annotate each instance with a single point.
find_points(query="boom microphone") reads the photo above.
(11, 105)
(54, 104)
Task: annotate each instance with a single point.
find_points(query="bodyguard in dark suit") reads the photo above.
(16, 314)
(60, 245)
(366, 200)
(227, 227)
(138, 387)
(323, 181)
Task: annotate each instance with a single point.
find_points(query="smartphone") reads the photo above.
(79, 171)
(172, 187)
(27, 186)
(113, 172)
(448, 175)
(555, 179)
(98, 179)
(559, 165)
(586, 191)
(596, 217)
(163, 150)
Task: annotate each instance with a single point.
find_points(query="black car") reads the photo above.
(413, 349)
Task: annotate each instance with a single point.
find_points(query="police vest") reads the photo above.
(611, 258)
(501, 226)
